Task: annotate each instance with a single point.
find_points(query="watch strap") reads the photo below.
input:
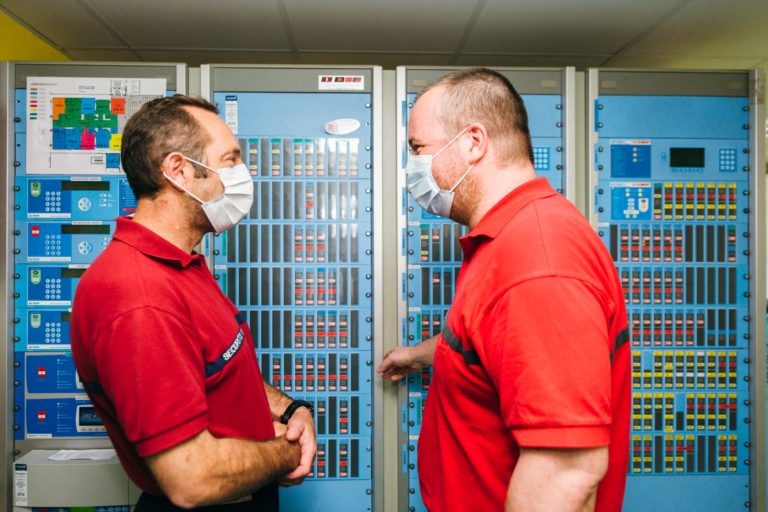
(292, 408)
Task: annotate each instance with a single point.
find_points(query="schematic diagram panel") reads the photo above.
(431, 256)
(674, 184)
(301, 264)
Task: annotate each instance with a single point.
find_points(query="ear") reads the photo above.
(478, 142)
(175, 166)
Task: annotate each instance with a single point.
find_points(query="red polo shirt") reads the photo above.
(534, 354)
(162, 352)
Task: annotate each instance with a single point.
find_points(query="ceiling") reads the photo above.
(714, 34)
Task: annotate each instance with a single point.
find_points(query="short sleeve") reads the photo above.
(152, 371)
(546, 350)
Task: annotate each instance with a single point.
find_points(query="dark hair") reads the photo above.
(158, 128)
(488, 97)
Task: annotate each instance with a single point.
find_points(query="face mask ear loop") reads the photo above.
(461, 179)
(451, 141)
(201, 164)
(178, 186)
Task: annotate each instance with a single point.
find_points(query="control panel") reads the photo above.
(673, 201)
(301, 264)
(67, 189)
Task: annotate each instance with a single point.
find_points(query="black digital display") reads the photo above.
(85, 185)
(71, 273)
(686, 157)
(85, 229)
(87, 417)
(65, 316)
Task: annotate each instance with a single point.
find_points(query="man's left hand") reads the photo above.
(301, 428)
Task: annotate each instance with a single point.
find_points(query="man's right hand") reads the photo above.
(399, 362)
(292, 447)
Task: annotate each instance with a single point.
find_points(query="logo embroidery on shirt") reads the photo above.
(227, 355)
(232, 350)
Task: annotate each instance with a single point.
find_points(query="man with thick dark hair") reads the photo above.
(166, 358)
(528, 407)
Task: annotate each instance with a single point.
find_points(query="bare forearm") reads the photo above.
(399, 362)
(244, 467)
(278, 401)
(207, 470)
(557, 494)
(424, 352)
(556, 480)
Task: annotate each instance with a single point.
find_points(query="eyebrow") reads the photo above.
(232, 152)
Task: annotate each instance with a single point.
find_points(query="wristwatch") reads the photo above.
(292, 408)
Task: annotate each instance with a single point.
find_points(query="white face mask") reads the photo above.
(231, 206)
(423, 187)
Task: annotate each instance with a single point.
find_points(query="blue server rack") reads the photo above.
(62, 218)
(431, 256)
(675, 198)
(302, 265)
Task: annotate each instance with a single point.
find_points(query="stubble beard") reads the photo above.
(196, 216)
(465, 199)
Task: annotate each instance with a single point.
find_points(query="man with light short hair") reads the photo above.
(529, 403)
